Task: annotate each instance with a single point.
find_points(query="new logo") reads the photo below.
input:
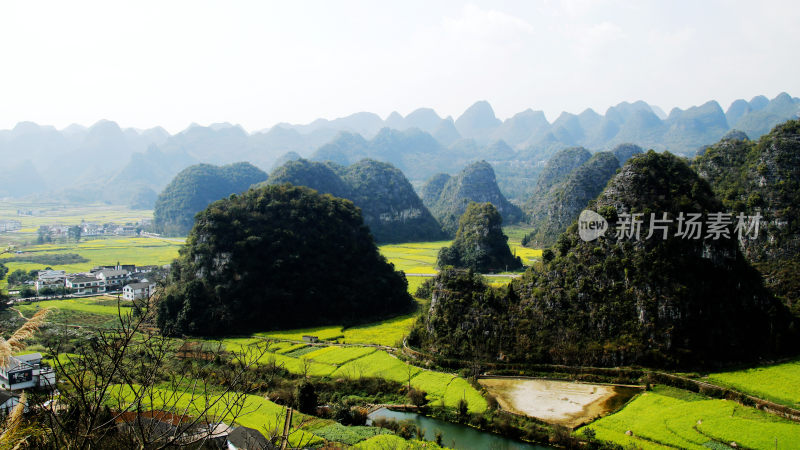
(591, 225)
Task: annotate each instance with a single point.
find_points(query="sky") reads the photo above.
(258, 63)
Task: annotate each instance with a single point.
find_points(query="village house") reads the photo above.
(10, 225)
(26, 371)
(164, 427)
(8, 401)
(92, 229)
(129, 267)
(52, 279)
(136, 291)
(86, 285)
(114, 279)
(126, 230)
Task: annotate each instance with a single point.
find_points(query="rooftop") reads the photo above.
(139, 285)
(113, 272)
(82, 279)
(5, 396)
(248, 438)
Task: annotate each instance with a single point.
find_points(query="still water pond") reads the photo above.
(454, 435)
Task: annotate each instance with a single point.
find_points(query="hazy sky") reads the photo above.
(257, 63)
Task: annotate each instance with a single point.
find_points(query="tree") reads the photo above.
(75, 232)
(417, 397)
(307, 398)
(462, 408)
(18, 277)
(43, 235)
(127, 373)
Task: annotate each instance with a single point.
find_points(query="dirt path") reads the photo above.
(19, 312)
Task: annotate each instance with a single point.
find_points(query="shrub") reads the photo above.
(417, 397)
(306, 398)
(462, 408)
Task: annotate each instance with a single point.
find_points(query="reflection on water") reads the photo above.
(454, 435)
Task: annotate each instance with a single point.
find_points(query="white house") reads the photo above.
(10, 225)
(51, 279)
(114, 278)
(7, 401)
(126, 230)
(26, 371)
(135, 291)
(83, 285)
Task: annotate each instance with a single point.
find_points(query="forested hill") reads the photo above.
(279, 256)
(448, 197)
(763, 177)
(568, 183)
(390, 206)
(618, 301)
(194, 188)
(480, 244)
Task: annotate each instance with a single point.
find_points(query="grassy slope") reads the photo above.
(672, 417)
(358, 362)
(85, 312)
(257, 412)
(390, 441)
(779, 383)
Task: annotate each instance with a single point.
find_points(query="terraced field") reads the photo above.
(671, 418)
(257, 412)
(389, 332)
(366, 362)
(779, 383)
(84, 312)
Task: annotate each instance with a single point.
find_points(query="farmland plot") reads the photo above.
(675, 418)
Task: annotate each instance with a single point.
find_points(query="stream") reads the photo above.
(454, 435)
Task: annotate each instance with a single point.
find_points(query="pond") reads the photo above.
(565, 403)
(455, 435)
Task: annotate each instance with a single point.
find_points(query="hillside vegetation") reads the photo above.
(763, 177)
(194, 188)
(480, 244)
(249, 265)
(619, 301)
(448, 197)
(552, 210)
(390, 207)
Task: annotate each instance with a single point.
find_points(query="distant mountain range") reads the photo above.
(117, 165)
